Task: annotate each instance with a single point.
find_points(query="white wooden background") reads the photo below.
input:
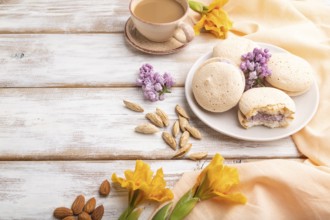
(64, 70)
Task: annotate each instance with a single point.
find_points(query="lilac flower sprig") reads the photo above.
(255, 68)
(154, 85)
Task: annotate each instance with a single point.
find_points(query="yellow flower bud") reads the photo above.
(214, 20)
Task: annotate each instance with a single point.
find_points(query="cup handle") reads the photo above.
(188, 32)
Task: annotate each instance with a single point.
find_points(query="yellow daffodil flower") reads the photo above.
(156, 190)
(215, 181)
(214, 19)
(142, 186)
(135, 179)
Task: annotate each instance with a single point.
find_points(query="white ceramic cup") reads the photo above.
(161, 32)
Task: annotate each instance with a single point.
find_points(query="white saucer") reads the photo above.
(227, 122)
(139, 42)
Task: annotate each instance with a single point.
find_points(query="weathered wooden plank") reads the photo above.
(86, 60)
(61, 16)
(32, 190)
(92, 123)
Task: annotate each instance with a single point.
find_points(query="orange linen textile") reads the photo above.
(280, 189)
(275, 189)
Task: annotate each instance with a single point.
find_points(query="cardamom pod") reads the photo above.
(180, 153)
(163, 116)
(133, 106)
(194, 132)
(155, 119)
(170, 141)
(146, 128)
(184, 138)
(181, 112)
(175, 128)
(183, 122)
(197, 156)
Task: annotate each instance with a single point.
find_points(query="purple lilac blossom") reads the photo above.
(154, 85)
(255, 68)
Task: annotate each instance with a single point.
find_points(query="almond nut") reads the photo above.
(181, 112)
(84, 216)
(62, 212)
(78, 205)
(180, 153)
(146, 128)
(105, 188)
(69, 218)
(155, 119)
(184, 139)
(197, 156)
(194, 132)
(133, 106)
(163, 116)
(98, 213)
(90, 205)
(175, 128)
(170, 141)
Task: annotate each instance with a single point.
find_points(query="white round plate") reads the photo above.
(227, 122)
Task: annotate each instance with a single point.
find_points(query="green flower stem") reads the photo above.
(134, 215)
(163, 213)
(202, 191)
(130, 214)
(134, 199)
(165, 90)
(259, 82)
(126, 213)
(184, 206)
